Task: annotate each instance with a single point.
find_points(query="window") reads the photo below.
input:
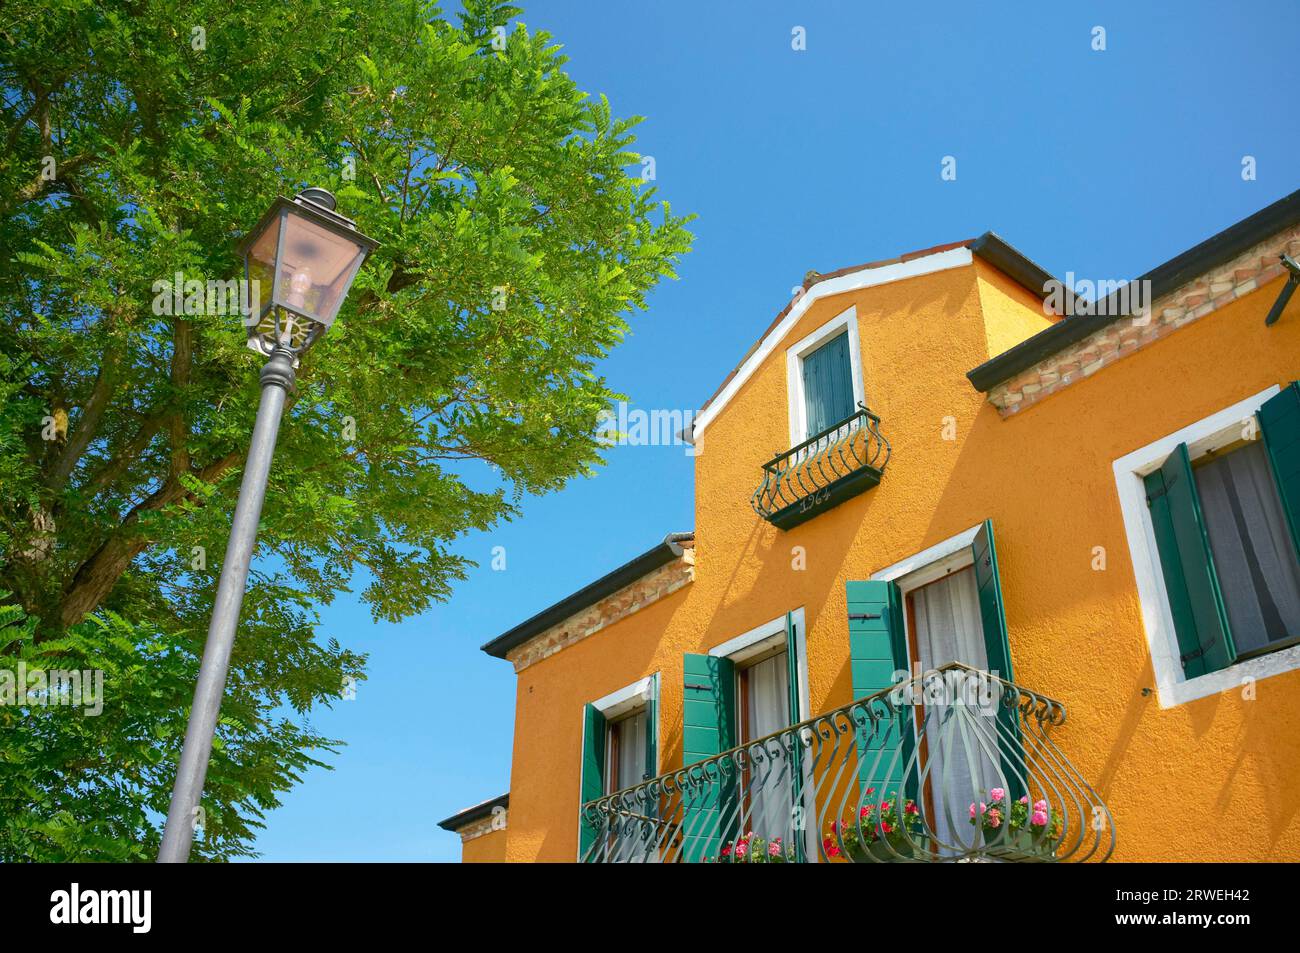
(1256, 564)
(625, 747)
(742, 691)
(763, 697)
(824, 371)
(620, 749)
(1211, 516)
(828, 385)
(940, 606)
(1226, 555)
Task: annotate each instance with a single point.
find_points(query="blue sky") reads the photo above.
(1099, 163)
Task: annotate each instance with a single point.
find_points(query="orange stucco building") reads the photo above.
(1093, 500)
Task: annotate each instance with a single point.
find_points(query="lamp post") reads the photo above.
(309, 255)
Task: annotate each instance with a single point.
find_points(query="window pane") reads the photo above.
(828, 384)
(769, 782)
(768, 697)
(1253, 554)
(628, 736)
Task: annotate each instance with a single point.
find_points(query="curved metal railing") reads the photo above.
(807, 476)
(953, 764)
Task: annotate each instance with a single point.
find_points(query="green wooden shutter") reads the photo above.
(992, 611)
(652, 730)
(877, 649)
(593, 771)
(1279, 419)
(997, 648)
(797, 760)
(1195, 601)
(708, 729)
(828, 384)
(792, 667)
(649, 831)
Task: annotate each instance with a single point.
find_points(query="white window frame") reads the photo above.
(766, 637)
(1173, 687)
(798, 407)
(627, 699)
(624, 702)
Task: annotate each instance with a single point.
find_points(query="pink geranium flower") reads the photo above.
(994, 817)
(742, 849)
(1039, 818)
(774, 848)
(1040, 805)
(1024, 799)
(997, 794)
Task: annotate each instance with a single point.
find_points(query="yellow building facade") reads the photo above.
(1013, 513)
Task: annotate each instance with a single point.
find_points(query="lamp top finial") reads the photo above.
(321, 197)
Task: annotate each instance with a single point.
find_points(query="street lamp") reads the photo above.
(308, 254)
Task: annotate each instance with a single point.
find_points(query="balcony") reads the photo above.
(951, 765)
(823, 471)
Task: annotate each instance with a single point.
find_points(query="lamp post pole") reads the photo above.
(310, 254)
(277, 380)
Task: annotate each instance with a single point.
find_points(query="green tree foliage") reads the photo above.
(143, 139)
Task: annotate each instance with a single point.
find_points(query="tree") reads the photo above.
(143, 139)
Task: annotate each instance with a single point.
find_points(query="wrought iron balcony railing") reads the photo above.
(953, 764)
(823, 471)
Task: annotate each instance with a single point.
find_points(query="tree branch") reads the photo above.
(97, 576)
(88, 423)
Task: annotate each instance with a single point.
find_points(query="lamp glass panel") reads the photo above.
(316, 268)
(260, 266)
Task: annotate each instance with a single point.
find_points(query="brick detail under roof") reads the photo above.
(484, 825)
(1171, 311)
(651, 587)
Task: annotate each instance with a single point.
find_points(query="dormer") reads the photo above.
(815, 390)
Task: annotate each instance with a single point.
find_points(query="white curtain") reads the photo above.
(948, 625)
(630, 767)
(1253, 552)
(768, 710)
(959, 738)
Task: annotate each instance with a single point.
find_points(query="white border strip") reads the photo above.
(854, 281)
(765, 636)
(625, 699)
(951, 546)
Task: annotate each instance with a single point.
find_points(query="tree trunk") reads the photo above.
(97, 576)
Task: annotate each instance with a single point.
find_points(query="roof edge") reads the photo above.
(1219, 248)
(479, 811)
(665, 552)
